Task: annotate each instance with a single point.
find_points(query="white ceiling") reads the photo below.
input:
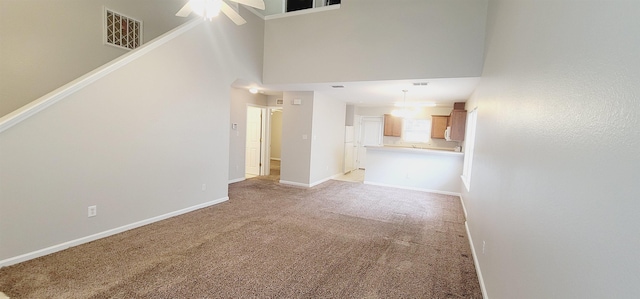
(444, 92)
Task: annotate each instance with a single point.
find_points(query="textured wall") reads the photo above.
(295, 164)
(554, 192)
(377, 40)
(138, 143)
(46, 44)
(327, 145)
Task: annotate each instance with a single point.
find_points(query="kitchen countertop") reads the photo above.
(416, 150)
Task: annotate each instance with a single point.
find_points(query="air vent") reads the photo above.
(279, 101)
(420, 83)
(337, 86)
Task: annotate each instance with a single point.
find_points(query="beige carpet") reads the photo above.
(336, 240)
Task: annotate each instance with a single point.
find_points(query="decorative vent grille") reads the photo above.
(121, 31)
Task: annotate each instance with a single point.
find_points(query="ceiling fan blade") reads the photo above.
(232, 14)
(185, 11)
(259, 4)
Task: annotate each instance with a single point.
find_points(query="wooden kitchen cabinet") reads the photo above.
(458, 123)
(392, 125)
(438, 126)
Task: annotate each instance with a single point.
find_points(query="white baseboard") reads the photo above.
(475, 262)
(413, 188)
(312, 184)
(324, 180)
(236, 180)
(294, 184)
(464, 208)
(104, 234)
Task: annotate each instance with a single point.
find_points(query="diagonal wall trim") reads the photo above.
(53, 97)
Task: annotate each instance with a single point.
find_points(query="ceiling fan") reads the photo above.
(211, 8)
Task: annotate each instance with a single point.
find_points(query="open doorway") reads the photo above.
(263, 142)
(254, 147)
(275, 142)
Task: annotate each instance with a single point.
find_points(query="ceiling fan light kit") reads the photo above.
(208, 9)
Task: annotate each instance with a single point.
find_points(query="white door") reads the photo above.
(370, 135)
(254, 131)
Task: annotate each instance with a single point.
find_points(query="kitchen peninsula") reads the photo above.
(430, 170)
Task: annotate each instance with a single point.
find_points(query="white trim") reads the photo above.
(413, 188)
(294, 184)
(469, 147)
(302, 12)
(476, 263)
(277, 159)
(265, 165)
(316, 183)
(464, 208)
(104, 234)
(324, 180)
(465, 182)
(236, 180)
(53, 97)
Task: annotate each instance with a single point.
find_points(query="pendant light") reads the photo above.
(404, 111)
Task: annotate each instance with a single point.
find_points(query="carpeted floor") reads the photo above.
(335, 240)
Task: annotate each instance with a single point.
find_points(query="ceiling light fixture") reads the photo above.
(208, 9)
(253, 90)
(404, 112)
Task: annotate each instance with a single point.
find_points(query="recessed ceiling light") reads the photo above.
(337, 86)
(253, 90)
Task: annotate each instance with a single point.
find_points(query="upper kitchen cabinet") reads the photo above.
(457, 122)
(392, 125)
(450, 127)
(438, 126)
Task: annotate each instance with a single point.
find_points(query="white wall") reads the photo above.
(295, 164)
(327, 145)
(46, 44)
(273, 7)
(240, 98)
(416, 169)
(138, 143)
(312, 148)
(554, 186)
(377, 40)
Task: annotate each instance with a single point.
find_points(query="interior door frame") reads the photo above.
(361, 151)
(265, 126)
(267, 164)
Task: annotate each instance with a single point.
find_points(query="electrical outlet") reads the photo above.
(92, 211)
(483, 245)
